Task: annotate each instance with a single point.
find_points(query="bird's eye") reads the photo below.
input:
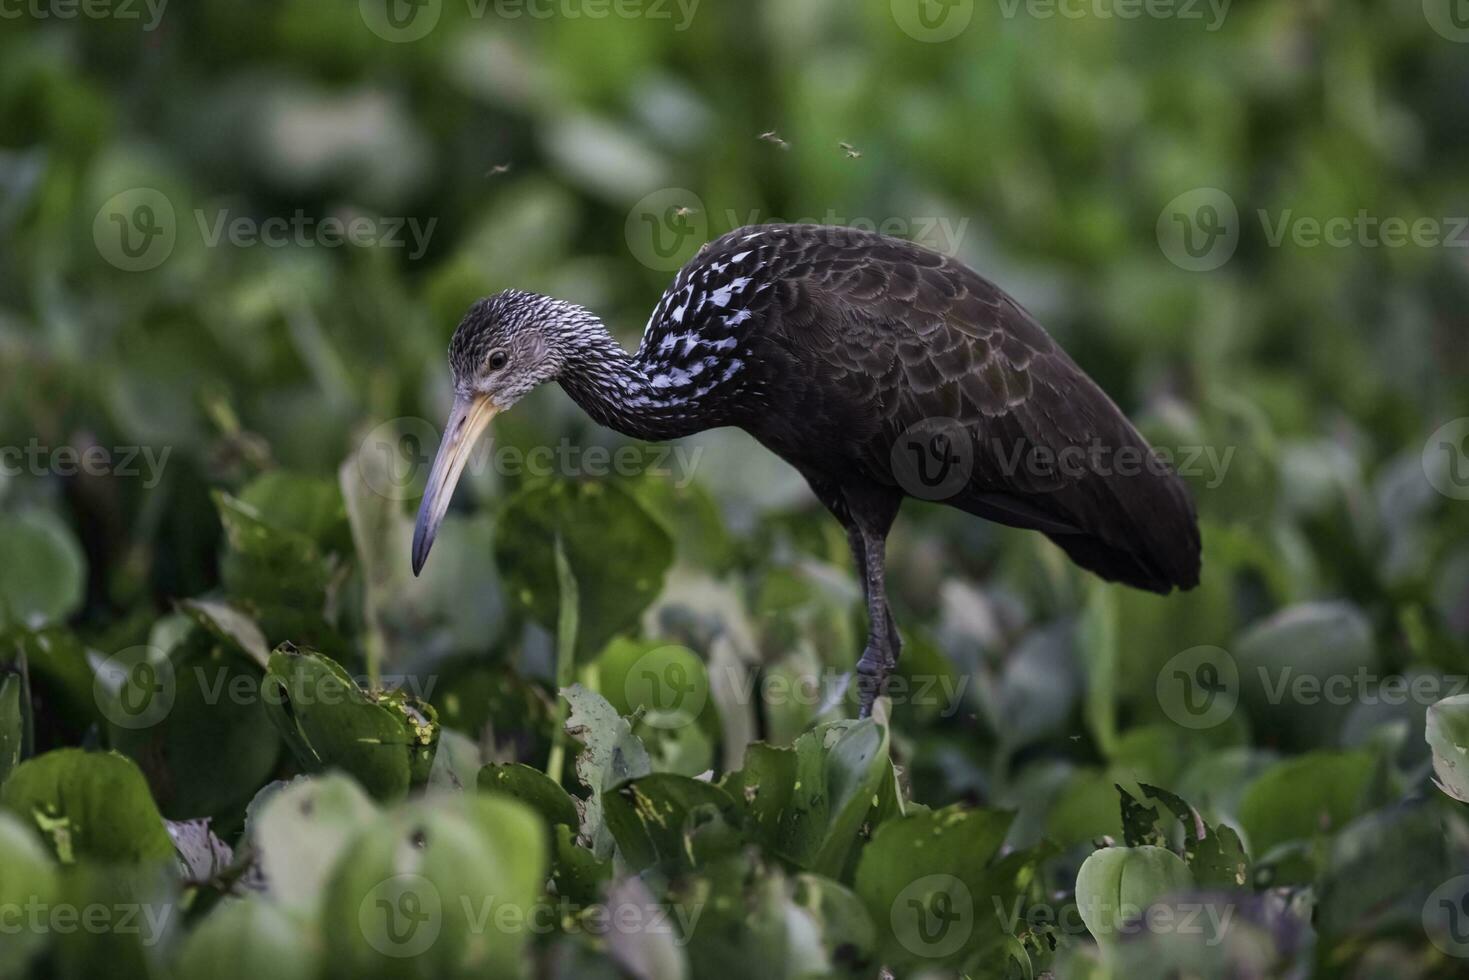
(498, 360)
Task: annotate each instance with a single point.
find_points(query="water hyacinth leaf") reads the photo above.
(611, 754)
(618, 552)
(740, 911)
(44, 575)
(577, 873)
(763, 788)
(1447, 735)
(854, 771)
(191, 708)
(30, 877)
(267, 564)
(306, 505)
(1116, 884)
(1303, 797)
(1216, 934)
(930, 884)
(667, 681)
(248, 938)
(230, 625)
(1215, 855)
(807, 803)
(533, 788)
(298, 830)
(143, 915)
(672, 822)
(436, 890)
(385, 740)
(1291, 665)
(1381, 863)
(88, 805)
(60, 681)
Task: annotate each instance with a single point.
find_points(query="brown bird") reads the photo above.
(879, 369)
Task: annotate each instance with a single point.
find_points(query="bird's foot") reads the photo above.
(872, 674)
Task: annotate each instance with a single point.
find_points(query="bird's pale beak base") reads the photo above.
(468, 419)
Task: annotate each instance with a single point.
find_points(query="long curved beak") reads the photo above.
(469, 417)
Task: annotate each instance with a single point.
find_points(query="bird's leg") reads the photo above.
(859, 555)
(881, 655)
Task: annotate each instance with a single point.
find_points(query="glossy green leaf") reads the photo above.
(617, 551)
(88, 805)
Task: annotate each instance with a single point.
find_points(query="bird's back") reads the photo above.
(866, 358)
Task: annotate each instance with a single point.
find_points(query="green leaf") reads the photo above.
(44, 576)
(1215, 856)
(611, 755)
(1288, 662)
(207, 744)
(807, 803)
(1304, 797)
(299, 829)
(931, 886)
(1116, 884)
(230, 625)
(1447, 735)
(532, 787)
(672, 822)
(436, 890)
(29, 878)
(268, 564)
(306, 505)
(140, 911)
(617, 551)
(88, 805)
(384, 740)
(248, 938)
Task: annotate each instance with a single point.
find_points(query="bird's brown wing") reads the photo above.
(915, 344)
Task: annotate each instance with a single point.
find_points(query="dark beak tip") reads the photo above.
(422, 542)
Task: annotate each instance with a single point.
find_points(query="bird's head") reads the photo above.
(505, 346)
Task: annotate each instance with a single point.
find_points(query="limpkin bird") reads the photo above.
(877, 368)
